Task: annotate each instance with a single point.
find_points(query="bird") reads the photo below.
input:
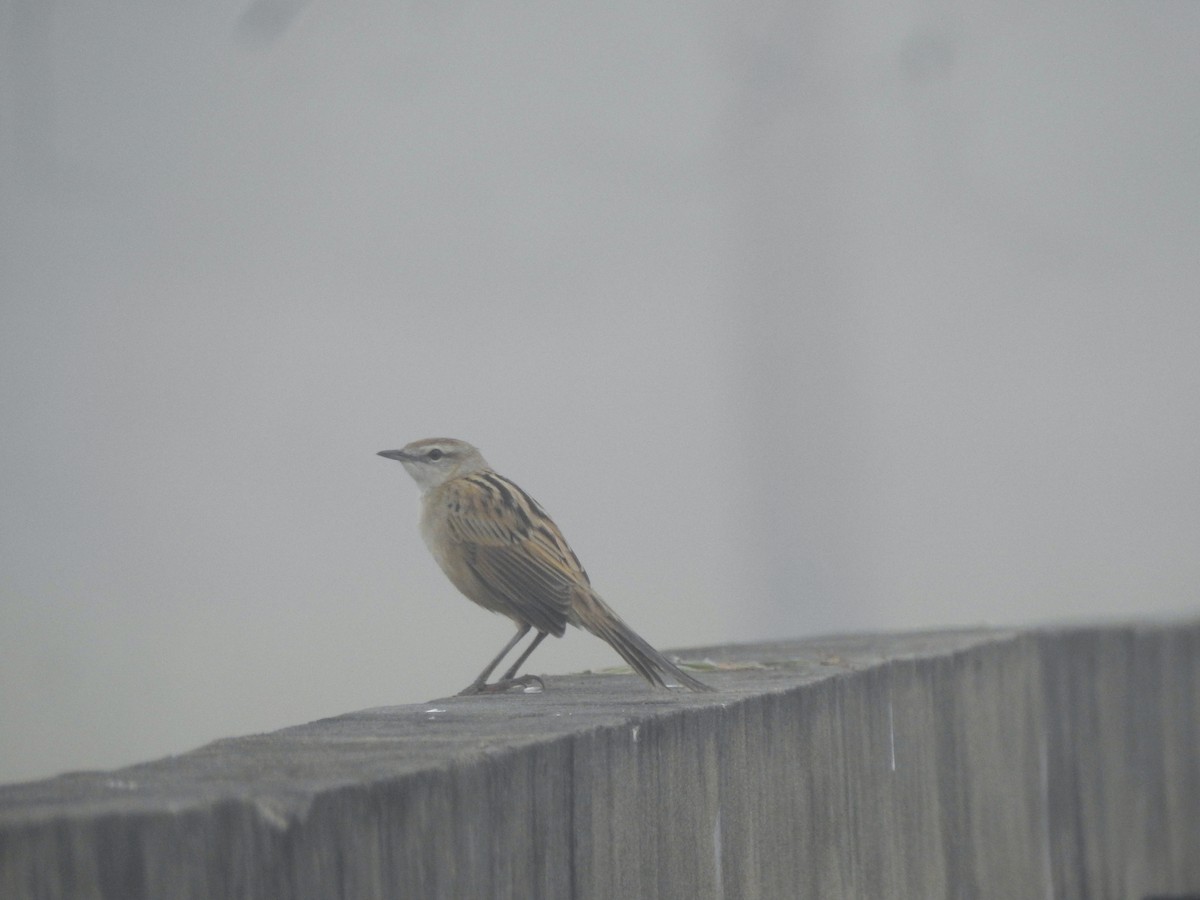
(500, 549)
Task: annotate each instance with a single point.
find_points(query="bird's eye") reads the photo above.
(434, 454)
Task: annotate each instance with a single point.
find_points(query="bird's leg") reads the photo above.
(511, 674)
(480, 684)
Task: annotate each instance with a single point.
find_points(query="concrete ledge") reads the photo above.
(1060, 763)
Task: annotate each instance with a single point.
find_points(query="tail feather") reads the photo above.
(594, 614)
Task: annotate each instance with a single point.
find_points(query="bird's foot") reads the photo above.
(529, 684)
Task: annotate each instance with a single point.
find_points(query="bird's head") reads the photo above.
(434, 461)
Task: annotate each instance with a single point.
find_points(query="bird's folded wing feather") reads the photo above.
(514, 548)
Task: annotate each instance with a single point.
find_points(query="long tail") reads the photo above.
(593, 614)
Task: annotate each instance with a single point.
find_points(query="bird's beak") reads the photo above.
(394, 454)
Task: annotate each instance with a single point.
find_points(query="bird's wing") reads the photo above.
(514, 548)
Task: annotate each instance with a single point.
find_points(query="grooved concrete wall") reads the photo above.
(1056, 763)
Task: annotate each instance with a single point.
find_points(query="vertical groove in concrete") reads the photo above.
(972, 764)
(1122, 728)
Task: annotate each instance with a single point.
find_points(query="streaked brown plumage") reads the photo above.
(498, 547)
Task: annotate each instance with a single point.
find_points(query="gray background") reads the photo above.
(797, 319)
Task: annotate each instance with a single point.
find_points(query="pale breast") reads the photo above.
(452, 555)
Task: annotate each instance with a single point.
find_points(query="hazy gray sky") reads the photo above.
(796, 320)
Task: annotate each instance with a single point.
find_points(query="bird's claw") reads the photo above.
(529, 684)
